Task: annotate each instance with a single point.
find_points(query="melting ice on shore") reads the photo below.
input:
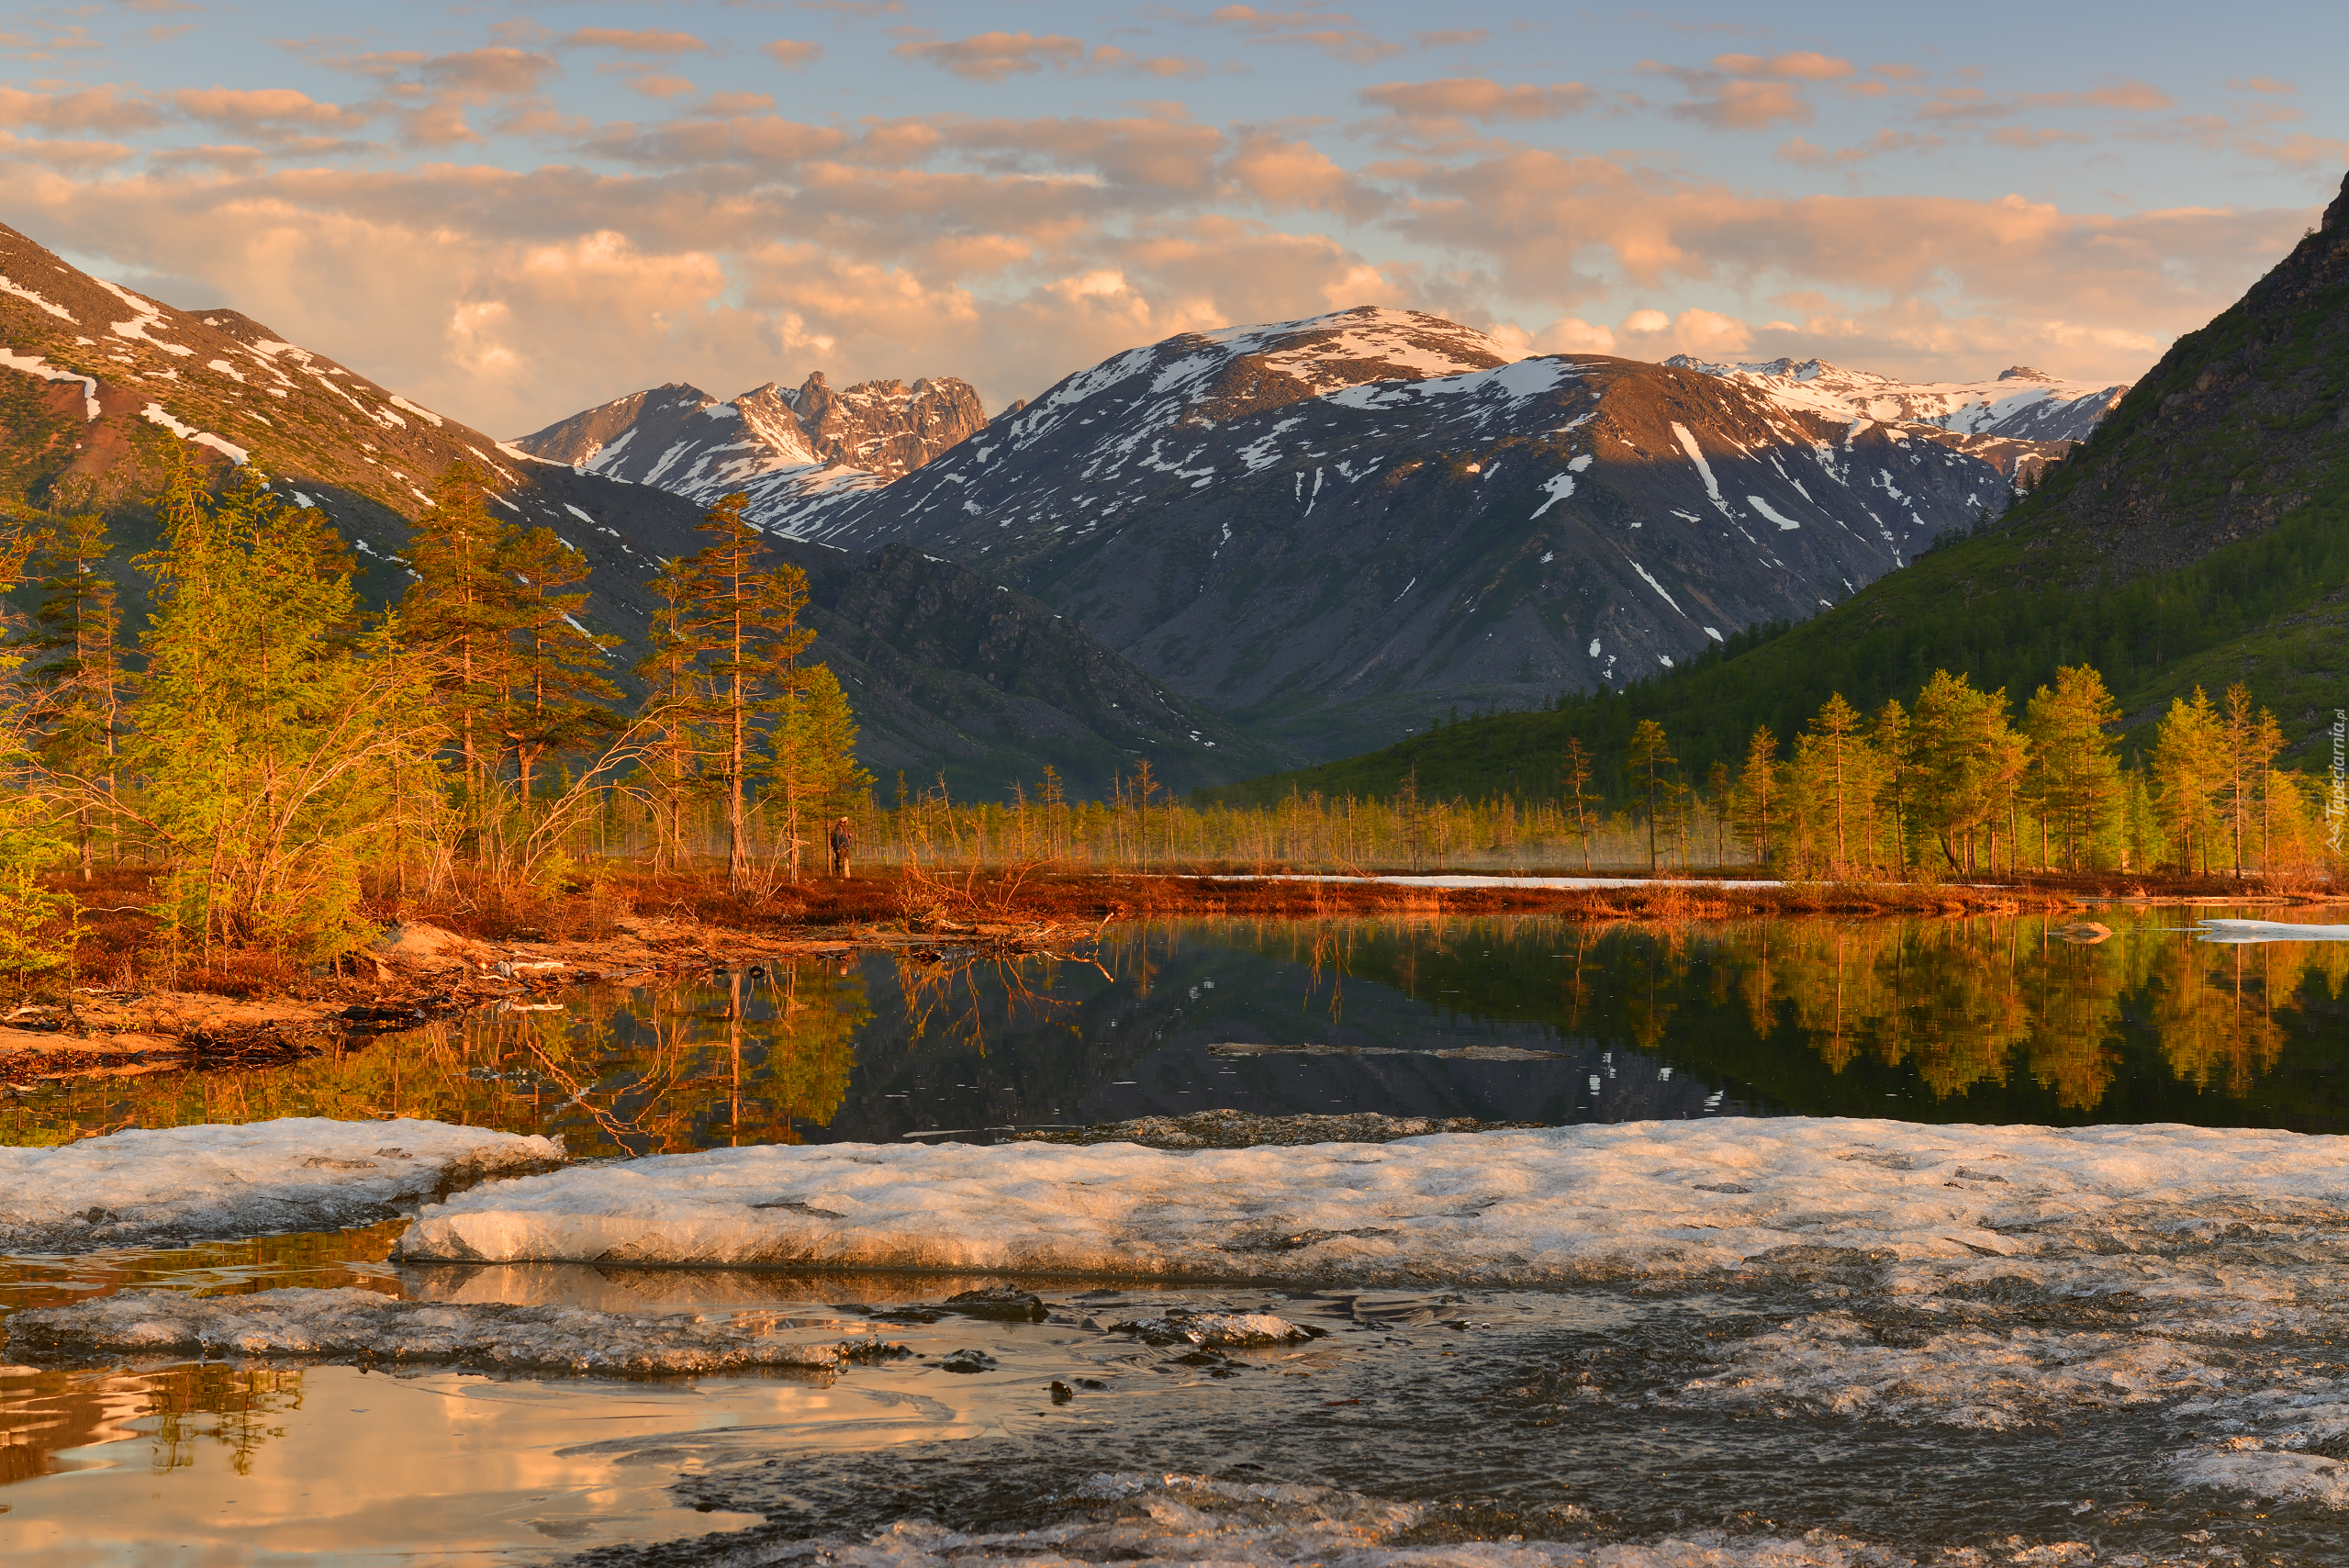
(363, 1325)
(1536, 1208)
(297, 1173)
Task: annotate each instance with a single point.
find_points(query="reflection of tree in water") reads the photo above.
(739, 1059)
(1960, 1003)
(46, 1413)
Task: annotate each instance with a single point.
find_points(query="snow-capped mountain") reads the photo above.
(2021, 404)
(772, 440)
(946, 667)
(1333, 528)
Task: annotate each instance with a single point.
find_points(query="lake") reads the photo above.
(1519, 1019)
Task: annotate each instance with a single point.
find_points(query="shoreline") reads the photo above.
(422, 971)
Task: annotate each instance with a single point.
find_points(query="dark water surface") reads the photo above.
(1988, 1020)
(1808, 1409)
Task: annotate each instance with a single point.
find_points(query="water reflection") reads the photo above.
(1987, 1019)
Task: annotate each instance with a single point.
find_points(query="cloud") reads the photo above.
(1764, 97)
(2127, 95)
(1808, 155)
(85, 109)
(991, 57)
(1802, 65)
(252, 107)
(1746, 106)
(1455, 98)
(1548, 225)
(644, 41)
(1334, 32)
(1452, 38)
(2267, 84)
(432, 92)
(1651, 334)
(792, 53)
(69, 157)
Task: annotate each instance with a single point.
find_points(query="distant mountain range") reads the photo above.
(1336, 530)
(1229, 551)
(948, 670)
(2195, 540)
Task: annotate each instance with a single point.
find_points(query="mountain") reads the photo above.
(682, 439)
(2199, 536)
(2021, 404)
(948, 671)
(1335, 530)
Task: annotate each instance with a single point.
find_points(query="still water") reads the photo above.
(1807, 1409)
(1986, 1020)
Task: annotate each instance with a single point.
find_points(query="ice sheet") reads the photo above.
(1504, 1208)
(2269, 931)
(365, 1326)
(298, 1173)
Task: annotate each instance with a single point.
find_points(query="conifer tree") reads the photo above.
(1758, 794)
(265, 726)
(73, 674)
(557, 699)
(463, 607)
(1575, 771)
(744, 614)
(1835, 732)
(39, 927)
(2188, 769)
(676, 704)
(2075, 775)
(812, 767)
(1649, 759)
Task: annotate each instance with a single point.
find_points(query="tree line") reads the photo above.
(277, 748)
(1951, 784)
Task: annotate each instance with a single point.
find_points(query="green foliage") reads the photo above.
(267, 733)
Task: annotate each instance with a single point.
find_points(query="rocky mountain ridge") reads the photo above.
(947, 670)
(772, 440)
(2018, 404)
(1337, 528)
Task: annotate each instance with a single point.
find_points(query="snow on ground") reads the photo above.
(368, 1326)
(300, 1173)
(1506, 1208)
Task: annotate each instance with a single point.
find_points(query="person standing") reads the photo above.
(843, 838)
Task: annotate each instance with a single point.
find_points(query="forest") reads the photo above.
(286, 767)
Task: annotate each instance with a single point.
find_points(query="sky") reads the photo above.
(513, 211)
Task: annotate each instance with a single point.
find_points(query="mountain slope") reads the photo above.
(99, 386)
(2021, 404)
(2199, 536)
(682, 439)
(1336, 530)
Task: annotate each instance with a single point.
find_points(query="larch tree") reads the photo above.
(556, 701)
(676, 706)
(2188, 770)
(2075, 780)
(811, 749)
(73, 673)
(38, 925)
(266, 724)
(1649, 759)
(1836, 734)
(1574, 772)
(743, 616)
(463, 608)
(1758, 794)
